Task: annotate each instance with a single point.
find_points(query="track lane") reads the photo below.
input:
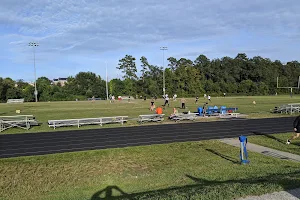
(108, 137)
(98, 133)
(68, 141)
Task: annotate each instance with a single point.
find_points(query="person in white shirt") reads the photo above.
(174, 97)
(167, 100)
(208, 97)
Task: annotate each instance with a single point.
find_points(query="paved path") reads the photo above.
(68, 141)
(283, 195)
(263, 150)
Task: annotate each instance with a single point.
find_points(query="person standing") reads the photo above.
(174, 97)
(152, 106)
(204, 109)
(167, 100)
(183, 103)
(296, 125)
(208, 97)
(197, 98)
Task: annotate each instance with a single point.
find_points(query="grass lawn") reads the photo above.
(277, 141)
(45, 111)
(190, 170)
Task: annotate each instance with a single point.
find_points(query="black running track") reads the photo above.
(68, 141)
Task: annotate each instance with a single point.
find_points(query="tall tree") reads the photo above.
(145, 66)
(128, 67)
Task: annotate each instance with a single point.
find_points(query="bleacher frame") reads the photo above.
(183, 116)
(288, 108)
(151, 118)
(87, 121)
(15, 101)
(19, 121)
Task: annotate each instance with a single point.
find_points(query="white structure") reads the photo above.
(62, 81)
(15, 101)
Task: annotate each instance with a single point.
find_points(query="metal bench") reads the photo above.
(229, 115)
(15, 101)
(151, 118)
(182, 116)
(19, 121)
(287, 108)
(87, 121)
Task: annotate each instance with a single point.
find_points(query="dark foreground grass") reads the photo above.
(190, 170)
(277, 141)
(45, 111)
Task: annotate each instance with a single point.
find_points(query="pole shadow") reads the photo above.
(285, 180)
(108, 192)
(228, 158)
(269, 136)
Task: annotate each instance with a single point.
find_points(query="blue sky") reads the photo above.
(81, 35)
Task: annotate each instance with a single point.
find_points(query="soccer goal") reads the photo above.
(288, 87)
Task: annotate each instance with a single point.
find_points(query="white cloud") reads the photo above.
(91, 27)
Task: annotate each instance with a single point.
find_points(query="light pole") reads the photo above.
(106, 82)
(34, 44)
(164, 84)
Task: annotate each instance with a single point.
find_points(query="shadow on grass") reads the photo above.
(276, 139)
(107, 192)
(270, 136)
(234, 161)
(203, 186)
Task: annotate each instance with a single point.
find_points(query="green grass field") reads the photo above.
(190, 170)
(277, 141)
(45, 111)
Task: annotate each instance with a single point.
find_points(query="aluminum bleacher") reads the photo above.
(19, 121)
(87, 121)
(183, 116)
(15, 100)
(151, 118)
(288, 108)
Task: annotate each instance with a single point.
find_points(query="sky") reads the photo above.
(87, 35)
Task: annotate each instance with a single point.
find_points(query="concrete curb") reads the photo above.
(286, 195)
(263, 150)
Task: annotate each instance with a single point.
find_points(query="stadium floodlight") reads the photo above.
(291, 88)
(164, 84)
(34, 44)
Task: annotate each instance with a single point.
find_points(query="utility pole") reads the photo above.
(34, 44)
(164, 84)
(106, 83)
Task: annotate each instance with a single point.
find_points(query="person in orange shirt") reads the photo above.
(159, 110)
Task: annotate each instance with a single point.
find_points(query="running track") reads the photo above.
(68, 141)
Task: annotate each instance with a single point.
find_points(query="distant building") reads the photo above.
(31, 83)
(62, 81)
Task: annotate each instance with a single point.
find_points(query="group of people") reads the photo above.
(296, 123)
(182, 101)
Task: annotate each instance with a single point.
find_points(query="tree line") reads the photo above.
(236, 76)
